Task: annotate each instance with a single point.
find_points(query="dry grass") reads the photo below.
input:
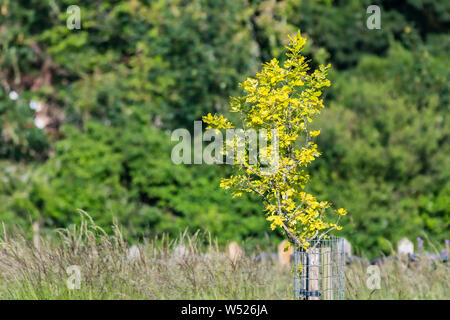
(423, 279)
(160, 271)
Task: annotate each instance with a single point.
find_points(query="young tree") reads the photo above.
(282, 101)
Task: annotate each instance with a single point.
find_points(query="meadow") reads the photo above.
(92, 92)
(158, 269)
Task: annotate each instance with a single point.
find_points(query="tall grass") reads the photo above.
(184, 268)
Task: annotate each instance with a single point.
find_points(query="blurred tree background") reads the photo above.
(86, 115)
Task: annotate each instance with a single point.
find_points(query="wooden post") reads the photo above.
(327, 285)
(314, 272)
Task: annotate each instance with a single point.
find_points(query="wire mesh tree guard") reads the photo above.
(319, 271)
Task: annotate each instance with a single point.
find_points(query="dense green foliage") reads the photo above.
(111, 91)
(386, 150)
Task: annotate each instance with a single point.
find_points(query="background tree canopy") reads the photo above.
(85, 115)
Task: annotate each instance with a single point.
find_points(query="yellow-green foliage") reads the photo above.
(285, 98)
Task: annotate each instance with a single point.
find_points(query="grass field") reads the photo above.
(202, 271)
